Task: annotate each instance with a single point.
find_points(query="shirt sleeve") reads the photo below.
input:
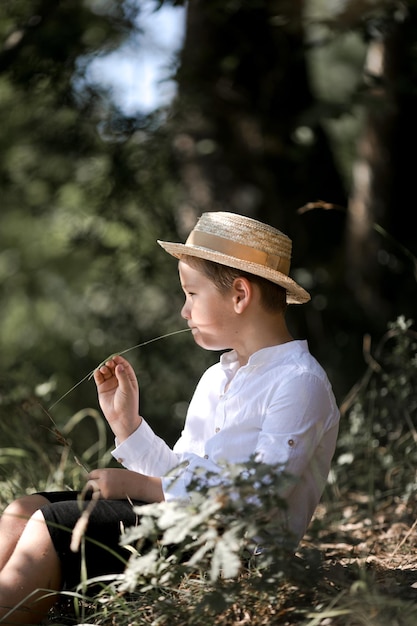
(148, 454)
(295, 423)
(145, 452)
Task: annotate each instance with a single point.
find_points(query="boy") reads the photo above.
(267, 396)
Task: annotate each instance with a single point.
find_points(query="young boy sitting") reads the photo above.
(267, 396)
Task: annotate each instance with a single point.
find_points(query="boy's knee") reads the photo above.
(24, 507)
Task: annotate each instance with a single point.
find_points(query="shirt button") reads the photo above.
(291, 443)
(217, 430)
(206, 456)
(120, 460)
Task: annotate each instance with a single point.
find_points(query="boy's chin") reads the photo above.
(206, 344)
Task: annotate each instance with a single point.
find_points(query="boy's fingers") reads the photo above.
(120, 372)
(126, 379)
(98, 376)
(118, 367)
(102, 373)
(119, 360)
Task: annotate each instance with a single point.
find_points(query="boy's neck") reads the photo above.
(270, 330)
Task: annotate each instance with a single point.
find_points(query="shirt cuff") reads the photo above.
(137, 444)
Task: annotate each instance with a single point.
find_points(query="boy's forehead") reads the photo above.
(185, 270)
(183, 266)
(188, 273)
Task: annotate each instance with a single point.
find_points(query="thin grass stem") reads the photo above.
(91, 374)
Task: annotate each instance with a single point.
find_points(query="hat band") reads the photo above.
(238, 250)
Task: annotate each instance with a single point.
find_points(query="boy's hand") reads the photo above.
(117, 484)
(118, 395)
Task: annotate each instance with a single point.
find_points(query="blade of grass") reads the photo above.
(139, 345)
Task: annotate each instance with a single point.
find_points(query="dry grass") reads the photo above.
(352, 569)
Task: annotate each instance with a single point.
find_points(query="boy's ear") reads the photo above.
(242, 293)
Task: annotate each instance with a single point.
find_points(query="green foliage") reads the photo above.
(85, 193)
(219, 525)
(52, 459)
(377, 443)
(190, 559)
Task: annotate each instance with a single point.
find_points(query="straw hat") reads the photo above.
(245, 244)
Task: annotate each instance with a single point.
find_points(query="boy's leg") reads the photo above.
(13, 521)
(33, 565)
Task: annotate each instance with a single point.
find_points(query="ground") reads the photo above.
(366, 562)
(357, 566)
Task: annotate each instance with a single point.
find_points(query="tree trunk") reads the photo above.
(248, 139)
(380, 221)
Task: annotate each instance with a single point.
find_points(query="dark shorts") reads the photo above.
(101, 552)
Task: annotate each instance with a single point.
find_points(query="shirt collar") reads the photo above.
(229, 360)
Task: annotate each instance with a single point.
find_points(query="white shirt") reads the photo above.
(279, 406)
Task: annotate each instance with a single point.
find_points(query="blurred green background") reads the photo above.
(301, 114)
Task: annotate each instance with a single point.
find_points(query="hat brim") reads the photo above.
(295, 293)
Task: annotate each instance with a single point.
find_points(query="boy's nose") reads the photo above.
(185, 313)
